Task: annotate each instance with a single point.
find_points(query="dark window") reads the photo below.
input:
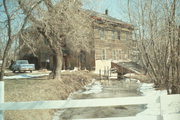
(119, 35)
(113, 35)
(114, 54)
(102, 35)
(46, 42)
(127, 35)
(103, 54)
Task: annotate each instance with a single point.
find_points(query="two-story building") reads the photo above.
(112, 41)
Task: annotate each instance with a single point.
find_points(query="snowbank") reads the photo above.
(153, 108)
(93, 87)
(147, 89)
(96, 87)
(25, 76)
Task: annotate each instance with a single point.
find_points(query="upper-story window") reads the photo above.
(102, 34)
(127, 35)
(119, 35)
(113, 35)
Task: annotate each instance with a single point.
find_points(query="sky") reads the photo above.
(116, 8)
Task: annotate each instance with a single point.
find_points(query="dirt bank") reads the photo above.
(39, 89)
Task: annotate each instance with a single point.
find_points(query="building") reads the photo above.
(112, 38)
(112, 41)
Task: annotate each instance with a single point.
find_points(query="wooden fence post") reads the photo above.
(1, 98)
(161, 107)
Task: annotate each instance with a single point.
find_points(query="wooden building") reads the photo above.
(113, 40)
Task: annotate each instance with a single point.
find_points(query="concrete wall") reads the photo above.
(102, 65)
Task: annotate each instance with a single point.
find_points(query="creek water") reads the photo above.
(104, 89)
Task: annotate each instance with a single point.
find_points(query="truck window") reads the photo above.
(22, 62)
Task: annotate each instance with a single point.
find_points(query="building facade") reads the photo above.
(113, 39)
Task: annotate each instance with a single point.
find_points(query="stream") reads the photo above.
(103, 89)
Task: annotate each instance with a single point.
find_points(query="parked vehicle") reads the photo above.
(22, 65)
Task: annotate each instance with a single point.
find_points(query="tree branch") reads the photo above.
(29, 12)
(49, 5)
(9, 43)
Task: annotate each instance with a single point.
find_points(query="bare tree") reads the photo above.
(61, 24)
(9, 43)
(10, 31)
(157, 24)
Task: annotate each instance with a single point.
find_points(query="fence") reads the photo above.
(166, 102)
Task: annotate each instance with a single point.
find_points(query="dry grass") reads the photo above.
(40, 89)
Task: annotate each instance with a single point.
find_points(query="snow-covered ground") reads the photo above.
(95, 88)
(152, 111)
(23, 76)
(153, 108)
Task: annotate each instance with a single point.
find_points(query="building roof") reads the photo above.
(106, 18)
(132, 66)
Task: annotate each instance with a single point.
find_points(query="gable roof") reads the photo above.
(106, 18)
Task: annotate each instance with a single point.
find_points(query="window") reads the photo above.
(45, 42)
(119, 35)
(129, 54)
(127, 35)
(122, 55)
(113, 35)
(125, 55)
(102, 34)
(114, 54)
(103, 54)
(105, 34)
(119, 54)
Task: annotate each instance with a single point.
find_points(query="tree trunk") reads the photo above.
(9, 43)
(3, 67)
(175, 89)
(5, 58)
(57, 61)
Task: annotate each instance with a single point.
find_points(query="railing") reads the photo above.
(166, 102)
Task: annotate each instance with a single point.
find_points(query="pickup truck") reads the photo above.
(22, 65)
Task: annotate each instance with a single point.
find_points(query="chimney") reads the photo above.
(106, 12)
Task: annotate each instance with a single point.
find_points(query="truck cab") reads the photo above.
(22, 65)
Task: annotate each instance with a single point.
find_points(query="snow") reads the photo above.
(153, 108)
(152, 111)
(96, 87)
(22, 76)
(130, 74)
(93, 87)
(148, 90)
(123, 118)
